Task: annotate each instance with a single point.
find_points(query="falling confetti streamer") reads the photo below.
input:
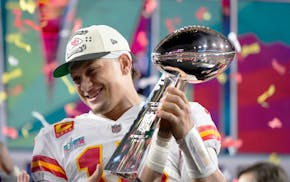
(16, 39)
(278, 67)
(40, 117)
(69, 85)
(7, 77)
(263, 97)
(32, 25)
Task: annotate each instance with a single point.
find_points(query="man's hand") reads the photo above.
(96, 176)
(23, 177)
(175, 114)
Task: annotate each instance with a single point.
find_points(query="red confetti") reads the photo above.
(32, 25)
(199, 14)
(142, 38)
(230, 142)
(10, 132)
(70, 110)
(238, 77)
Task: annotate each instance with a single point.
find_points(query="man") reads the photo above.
(99, 61)
(263, 172)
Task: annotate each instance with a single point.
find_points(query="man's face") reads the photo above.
(99, 84)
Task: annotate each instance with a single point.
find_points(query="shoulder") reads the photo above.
(57, 129)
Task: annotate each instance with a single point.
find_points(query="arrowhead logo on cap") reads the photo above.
(74, 42)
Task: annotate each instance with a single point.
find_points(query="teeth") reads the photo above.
(94, 95)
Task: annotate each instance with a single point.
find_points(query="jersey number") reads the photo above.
(88, 160)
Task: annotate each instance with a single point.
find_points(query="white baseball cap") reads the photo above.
(90, 43)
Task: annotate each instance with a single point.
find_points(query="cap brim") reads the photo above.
(63, 70)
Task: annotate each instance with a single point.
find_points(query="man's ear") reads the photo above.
(125, 63)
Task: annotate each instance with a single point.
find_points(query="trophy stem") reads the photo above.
(126, 161)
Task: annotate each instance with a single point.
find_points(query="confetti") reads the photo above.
(150, 7)
(171, 23)
(12, 60)
(28, 6)
(234, 40)
(69, 85)
(10, 132)
(200, 13)
(250, 49)
(278, 67)
(274, 158)
(268, 93)
(48, 68)
(32, 25)
(40, 117)
(238, 77)
(70, 109)
(142, 38)
(15, 90)
(16, 38)
(230, 142)
(3, 96)
(7, 77)
(275, 123)
(222, 78)
(17, 22)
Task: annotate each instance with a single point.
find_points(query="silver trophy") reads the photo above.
(191, 54)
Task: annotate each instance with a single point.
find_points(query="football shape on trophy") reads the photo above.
(200, 52)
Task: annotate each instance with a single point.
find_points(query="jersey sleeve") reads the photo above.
(206, 127)
(45, 165)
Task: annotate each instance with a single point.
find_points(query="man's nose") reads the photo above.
(86, 83)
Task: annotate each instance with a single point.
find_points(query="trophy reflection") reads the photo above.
(191, 54)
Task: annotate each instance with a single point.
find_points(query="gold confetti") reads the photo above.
(28, 6)
(16, 38)
(250, 49)
(69, 85)
(16, 73)
(268, 93)
(274, 158)
(222, 78)
(3, 96)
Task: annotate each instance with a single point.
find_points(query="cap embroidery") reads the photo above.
(81, 32)
(88, 39)
(113, 41)
(74, 42)
(79, 49)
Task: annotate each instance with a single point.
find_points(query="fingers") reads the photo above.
(23, 177)
(175, 113)
(174, 102)
(96, 176)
